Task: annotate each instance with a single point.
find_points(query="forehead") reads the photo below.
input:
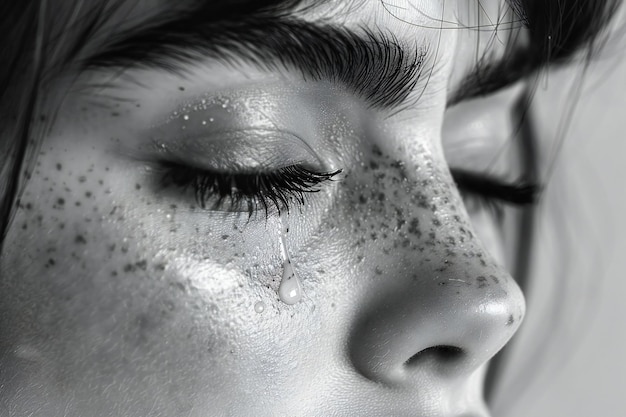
(405, 19)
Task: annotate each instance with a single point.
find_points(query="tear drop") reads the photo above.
(290, 289)
(259, 307)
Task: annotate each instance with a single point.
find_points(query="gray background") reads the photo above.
(570, 357)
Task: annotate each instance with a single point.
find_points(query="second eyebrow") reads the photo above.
(372, 65)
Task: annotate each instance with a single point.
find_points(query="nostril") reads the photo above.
(440, 354)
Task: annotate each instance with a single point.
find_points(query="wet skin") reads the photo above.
(124, 297)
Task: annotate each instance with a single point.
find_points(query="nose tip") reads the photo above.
(444, 330)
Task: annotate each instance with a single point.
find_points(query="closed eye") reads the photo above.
(250, 191)
(518, 193)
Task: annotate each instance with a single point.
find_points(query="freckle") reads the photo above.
(80, 239)
(137, 187)
(129, 268)
(77, 204)
(115, 114)
(61, 226)
(224, 237)
(100, 182)
(124, 249)
(510, 321)
(28, 206)
(160, 267)
(88, 194)
(181, 88)
(483, 263)
(59, 167)
(113, 273)
(24, 226)
(112, 247)
(142, 264)
(82, 178)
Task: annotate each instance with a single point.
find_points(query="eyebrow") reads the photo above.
(373, 65)
(488, 77)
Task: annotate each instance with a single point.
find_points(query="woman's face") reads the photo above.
(122, 295)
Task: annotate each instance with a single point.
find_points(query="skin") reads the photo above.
(121, 297)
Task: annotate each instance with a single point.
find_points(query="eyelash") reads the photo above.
(519, 192)
(254, 191)
(493, 194)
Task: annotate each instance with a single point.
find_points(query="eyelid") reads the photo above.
(246, 150)
(481, 134)
(270, 127)
(482, 117)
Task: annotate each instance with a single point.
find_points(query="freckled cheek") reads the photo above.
(89, 217)
(93, 267)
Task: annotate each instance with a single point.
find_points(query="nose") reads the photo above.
(440, 305)
(448, 327)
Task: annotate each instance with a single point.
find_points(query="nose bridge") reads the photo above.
(439, 302)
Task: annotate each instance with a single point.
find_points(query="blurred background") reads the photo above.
(570, 357)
